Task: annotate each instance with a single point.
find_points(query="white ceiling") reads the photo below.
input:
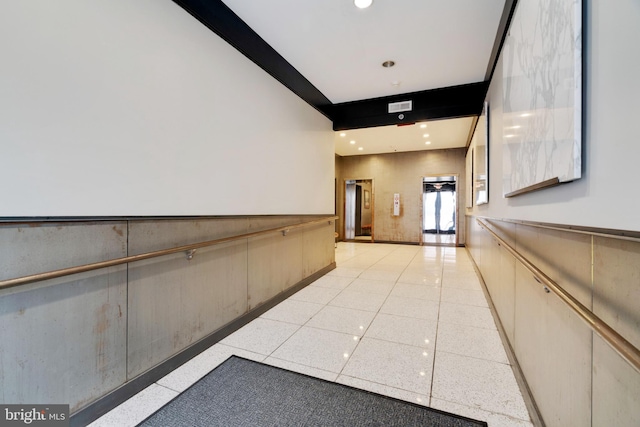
(340, 48)
(441, 134)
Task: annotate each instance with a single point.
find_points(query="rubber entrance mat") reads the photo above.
(242, 392)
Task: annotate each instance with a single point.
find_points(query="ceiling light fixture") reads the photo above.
(428, 142)
(352, 142)
(343, 134)
(423, 126)
(426, 135)
(360, 148)
(388, 64)
(362, 4)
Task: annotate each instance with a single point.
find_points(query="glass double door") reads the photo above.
(439, 224)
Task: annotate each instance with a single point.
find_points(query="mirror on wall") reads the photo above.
(358, 218)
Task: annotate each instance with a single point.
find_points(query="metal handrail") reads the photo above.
(10, 283)
(617, 342)
(633, 236)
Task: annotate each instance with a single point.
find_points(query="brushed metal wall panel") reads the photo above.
(498, 272)
(152, 235)
(317, 248)
(564, 257)
(63, 340)
(616, 389)
(174, 302)
(275, 264)
(616, 285)
(39, 247)
(616, 300)
(553, 348)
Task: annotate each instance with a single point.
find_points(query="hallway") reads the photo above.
(375, 322)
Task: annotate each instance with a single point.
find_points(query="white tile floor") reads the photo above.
(409, 322)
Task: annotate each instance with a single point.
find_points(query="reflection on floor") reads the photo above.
(409, 322)
(439, 239)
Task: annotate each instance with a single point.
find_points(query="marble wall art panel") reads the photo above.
(542, 95)
(481, 158)
(469, 175)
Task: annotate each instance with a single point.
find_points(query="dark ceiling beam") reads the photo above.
(501, 35)
(225, 23)
(444, 103)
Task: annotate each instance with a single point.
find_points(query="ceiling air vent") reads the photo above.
(397, 107)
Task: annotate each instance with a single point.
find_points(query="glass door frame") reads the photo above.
(434, 178)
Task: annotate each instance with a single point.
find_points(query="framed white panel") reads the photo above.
(481, 158)
(469, 175)
(542, 95)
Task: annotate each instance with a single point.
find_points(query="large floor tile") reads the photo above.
(461, 314)
(301, 369)
(358, 300)
(186, 375)
(461, 281)
(381, 287)
(318, 348)
(459, 269)
(392, 364)
(315, 294)
(346, 272)
(385, 390)
(493, 419)
(392, 263)
(416, 277)
(341, 319)
(360, 261)
(136, 409)
(293, 311)
(407, 307)
(464, 296)
(333, 282)
(381, 274)
(479, 383)
(470, 341)
(403, 330)
(407, 290)
(261, 336)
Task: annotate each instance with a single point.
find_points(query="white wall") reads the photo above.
(117, 107)
(606, 196)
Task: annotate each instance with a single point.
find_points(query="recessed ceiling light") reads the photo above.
(388, 64)
(423, 126)
(395, 83)
(360, 148)
(343, 134)
(362, 4)
(525, 114)
(428, 142)
(352, 142)
(426, 135)
(509, 136)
